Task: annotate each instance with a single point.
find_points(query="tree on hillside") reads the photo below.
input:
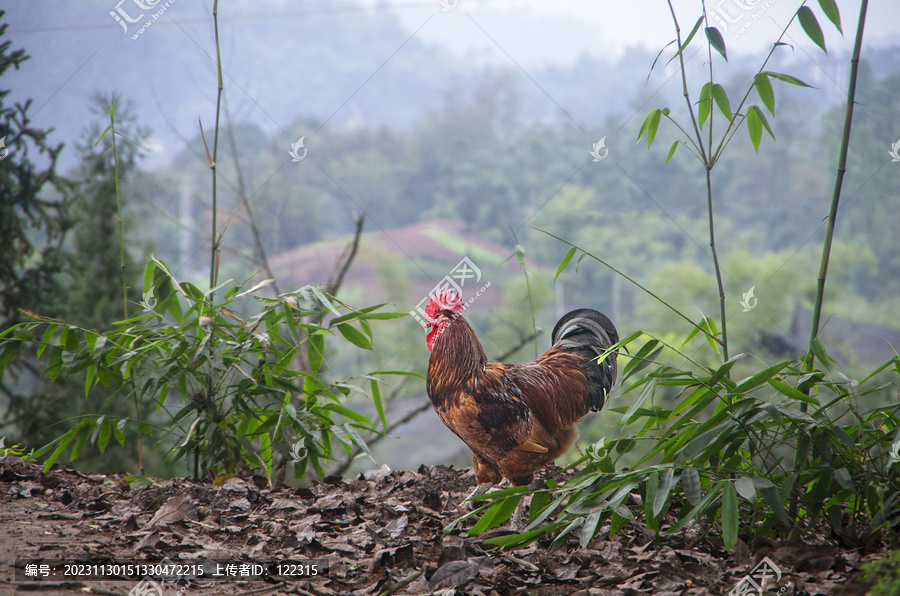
(34, 203)
(34, 222)
(95, 291)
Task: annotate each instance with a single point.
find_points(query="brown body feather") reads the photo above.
(515, 418)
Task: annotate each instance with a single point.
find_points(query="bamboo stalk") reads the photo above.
(838, 183)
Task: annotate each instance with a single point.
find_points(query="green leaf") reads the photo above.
(10, 349)
(103, 134)
(119, 429)
(764, 89)
(359, 441)
(689, 38)
(819, 352)
(496, 515)
(650, 498)
(729, 516)
(568, 257)
(775, 502)
(811, 26)
(792, 392)
(830, 8)
(355, 336)
(745, 487)
(655, 60)
(722, 100)
(590, 528)
(716, 41)
(671, 152)
(539, 501)
(650, 126)
(754, 127)
(54, 367)
(690, 481)
(516, 540)
(786, 78)
(105, 433)
(379, 406)
(643, 357)
(316, 351)
(759, 378)
(348, 413)
(703, 106)
(665, 487)
(654, 126)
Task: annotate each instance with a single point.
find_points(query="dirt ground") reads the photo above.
(378, 534)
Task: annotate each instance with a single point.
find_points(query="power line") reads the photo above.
(380, 6)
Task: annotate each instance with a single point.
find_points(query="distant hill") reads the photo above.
(431, 250)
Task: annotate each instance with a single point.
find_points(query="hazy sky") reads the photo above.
(537, 32)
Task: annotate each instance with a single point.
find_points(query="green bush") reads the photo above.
(794, 449)
(234, 392)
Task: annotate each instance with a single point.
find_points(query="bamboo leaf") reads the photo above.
(754, 127)
(379, 406)
(671, 152)
(665, 488)
(642, 358)
(496, 515)
(650, 498)
(729, 516)
(688, 40)
(656, 115)
(590, 528)
(645, 126)
(703, 105)
(792, 392)
(745, 487)
(830, 8)
(722, 100)
(764, 89)
(690, 482)
(811, 26)
(105, 433)
(355, 336)
(716, 41)
(786, 78)
(568, 257)
(316, 351)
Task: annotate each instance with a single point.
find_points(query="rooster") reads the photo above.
(516, 418)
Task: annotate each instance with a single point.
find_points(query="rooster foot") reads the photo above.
(481, 489)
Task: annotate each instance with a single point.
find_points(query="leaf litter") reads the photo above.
(379, 534)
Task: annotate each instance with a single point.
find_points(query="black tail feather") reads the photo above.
(588, 333)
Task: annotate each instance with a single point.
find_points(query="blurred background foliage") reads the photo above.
(483, 158)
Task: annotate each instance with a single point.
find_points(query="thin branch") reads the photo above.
(242, 193)
(214, 241)
(112, 131)
(346, 259)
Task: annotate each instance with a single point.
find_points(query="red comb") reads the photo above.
(445, 300)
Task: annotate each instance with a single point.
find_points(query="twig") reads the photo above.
(344, 262)
(213, 258)
(402, 583)
(520, 562)
(242, 192)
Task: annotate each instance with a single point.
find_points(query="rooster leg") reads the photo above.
(481, 489)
